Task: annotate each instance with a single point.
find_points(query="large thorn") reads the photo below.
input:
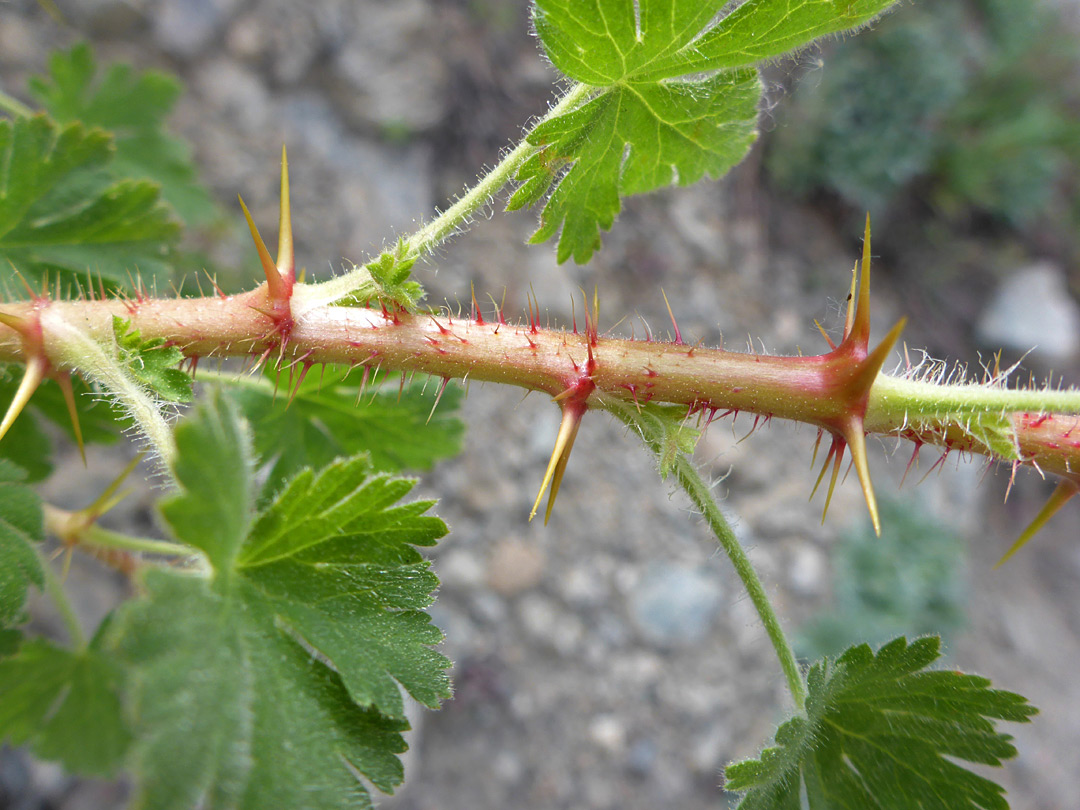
(856, 441)
(64, 381)
(286, 258)
(32, 377)
(274, 282)
(572, 412)
(1065, 490)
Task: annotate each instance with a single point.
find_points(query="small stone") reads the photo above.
(545, 622)
(460, 569)
(608, 732)
(184, 28)
(515, 567)
(675, 604)
(807, 571)
(1032, 311)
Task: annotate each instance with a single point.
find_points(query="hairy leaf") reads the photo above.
(21, 525)
(882, 731)
(676, 99)
(328, 418)
(61, 218)
(152, 362)
(272, 679)
(66, 705)
(133, 107)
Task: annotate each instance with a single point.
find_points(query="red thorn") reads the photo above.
(476, 314)
(913, 461)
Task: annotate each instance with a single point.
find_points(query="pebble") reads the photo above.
(1032, 310)
(806, 573)
(676, 604)
(515, 567)
(184, 28)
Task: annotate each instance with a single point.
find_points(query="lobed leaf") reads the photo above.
(21, 526)
(881, 731)
(327, 417)
(133, 107)
(676, 100)
(274, 678)
(66, 705)
(63, 218)
(152, 363)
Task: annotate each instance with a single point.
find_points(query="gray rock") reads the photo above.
(676, 604)
(184, 28)
(1032, 310)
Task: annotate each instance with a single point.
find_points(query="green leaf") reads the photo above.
(21, 525)
(663, 428)
(273, 678)
(676, 99)
(133, 107)
(62, 218)
(328, 418)
(152, 363)
(65, 705)
(882, 731)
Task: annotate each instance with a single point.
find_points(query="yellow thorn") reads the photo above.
(856, 440)
(35, 372)
(69, 399)
(832, 483)
(14, 321)
(849, 316)
(824, 334)
(1065, 490)
(105, 501)
(273, 277)
(564, 443)
(286, 259)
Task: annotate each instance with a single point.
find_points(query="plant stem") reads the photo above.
(695, 487)
(453, 218)
(71, 620)
(59, 521)
(699, 493)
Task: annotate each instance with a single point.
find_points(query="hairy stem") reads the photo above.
(59, 522)
(453, 218)
(651, 432)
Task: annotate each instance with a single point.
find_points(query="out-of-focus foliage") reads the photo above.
(979, 100)
(910, 581)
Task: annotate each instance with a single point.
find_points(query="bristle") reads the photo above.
(438, 397)
(825, 334)
(674, 325)
(32, 377)
(1064, 492)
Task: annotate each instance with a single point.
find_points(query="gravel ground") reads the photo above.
(610, 659)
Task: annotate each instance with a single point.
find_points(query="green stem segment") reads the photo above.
(55, 590)
(699, 493)
(654, 433)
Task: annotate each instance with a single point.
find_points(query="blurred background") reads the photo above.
(610, 660)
